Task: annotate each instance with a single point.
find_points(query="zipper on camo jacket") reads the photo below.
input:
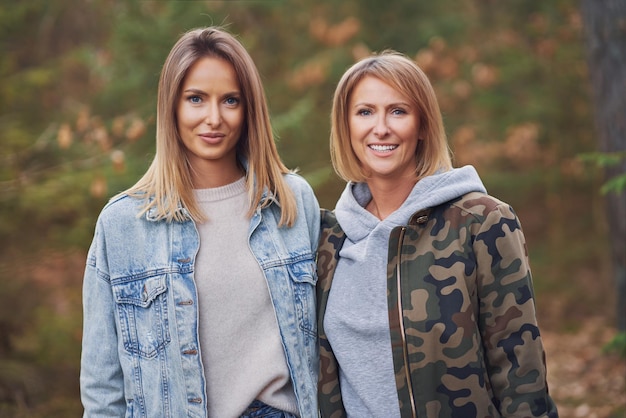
(405, 349)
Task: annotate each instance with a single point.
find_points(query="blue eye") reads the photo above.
(232, 101)
(398, 111)
(363, 112)
(194, 99)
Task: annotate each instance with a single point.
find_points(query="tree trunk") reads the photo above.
(605, 35)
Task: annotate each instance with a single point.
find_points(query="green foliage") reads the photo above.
(78, 98)
(615, 184)
(604, 159)
(617, 345)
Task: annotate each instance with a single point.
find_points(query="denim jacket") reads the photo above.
(141, 353)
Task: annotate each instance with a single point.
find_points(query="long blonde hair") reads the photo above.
(167, 185)
(432, 153)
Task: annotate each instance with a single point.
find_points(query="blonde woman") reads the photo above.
(425, 297)
(199, 284)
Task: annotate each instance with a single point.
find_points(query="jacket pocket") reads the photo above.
(303, 276)
(142, 312)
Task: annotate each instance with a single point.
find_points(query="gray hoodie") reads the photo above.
(356, 321)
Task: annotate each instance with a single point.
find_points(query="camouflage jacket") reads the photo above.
(464, 336)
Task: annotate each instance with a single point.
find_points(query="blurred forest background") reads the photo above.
(77, 119)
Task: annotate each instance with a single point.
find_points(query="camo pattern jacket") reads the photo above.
(464, 336)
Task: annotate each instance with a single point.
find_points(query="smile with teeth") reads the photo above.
(382, 148)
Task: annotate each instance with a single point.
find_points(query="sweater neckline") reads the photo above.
(220, 193)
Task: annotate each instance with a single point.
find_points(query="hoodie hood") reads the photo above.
(367, 235)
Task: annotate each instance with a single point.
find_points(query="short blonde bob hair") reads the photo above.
(401, 73)
(167, 184)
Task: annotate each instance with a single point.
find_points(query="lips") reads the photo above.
(212, 138)
(212, 135)
(382, 147)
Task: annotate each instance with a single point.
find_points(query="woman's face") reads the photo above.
(384, 129)
(210, 117)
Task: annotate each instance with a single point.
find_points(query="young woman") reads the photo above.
(425, 300)
(199, 294)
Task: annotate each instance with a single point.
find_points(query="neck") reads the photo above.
(215, 175)
(388, 195)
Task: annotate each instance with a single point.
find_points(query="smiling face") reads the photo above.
(210, 117)
(384, 130)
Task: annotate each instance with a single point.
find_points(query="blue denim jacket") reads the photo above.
(141, 353)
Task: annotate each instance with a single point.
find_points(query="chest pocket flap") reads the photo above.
(142, 315)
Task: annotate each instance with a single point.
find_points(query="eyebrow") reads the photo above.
(193, 91)
(387, 106)
(203, 93)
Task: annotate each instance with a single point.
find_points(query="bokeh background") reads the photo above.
(77, 120)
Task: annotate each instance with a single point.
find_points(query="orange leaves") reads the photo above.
(360, 51)
(468, 150)
(462, 89)
(89, 130)
(334, 35)
(135, 130)
(98, 187)
(519, 148)
(456, 72)
(437, 61)
(520, 145)
(118, 159)
(425, 59)
(311, 73)
(445, 64)
(83, 120)
(100, 136)
(130, 127)
(315, 71)
(64, 136)
(546, 48)
(484, 75)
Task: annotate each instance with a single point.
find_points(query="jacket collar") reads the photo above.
(267, 198)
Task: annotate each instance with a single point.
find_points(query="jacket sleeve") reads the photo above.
(329, 392)
(514, 354)
(312, 210)
(101, 379)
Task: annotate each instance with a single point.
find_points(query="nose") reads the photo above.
(213, 116)
(381, 129)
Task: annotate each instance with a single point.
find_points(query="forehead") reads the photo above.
(373, 89)
(213, 71)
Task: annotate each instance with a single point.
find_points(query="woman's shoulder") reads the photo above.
(120, 201)
(121, 207)
(480, 204)
(297, 183)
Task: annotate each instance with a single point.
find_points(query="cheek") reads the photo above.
(353, 127)
(409, 131)
(189, 115)
(181, 116)
(353, 137)
(356, 131)
(233, 118)
(239, 121)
